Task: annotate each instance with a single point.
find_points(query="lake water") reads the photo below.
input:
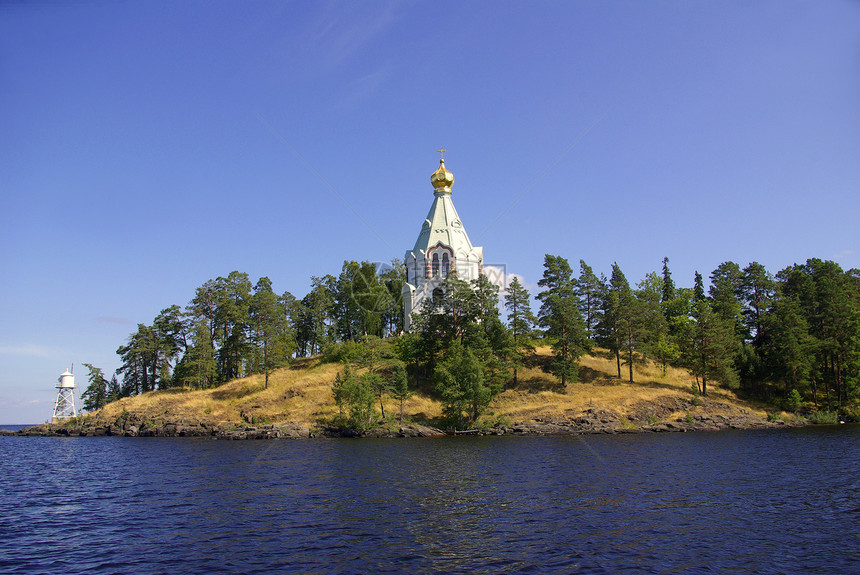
(769, 501)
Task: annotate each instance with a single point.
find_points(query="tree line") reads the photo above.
(233, 327)
(795, 333)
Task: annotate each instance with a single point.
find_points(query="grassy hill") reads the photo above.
(301, 394)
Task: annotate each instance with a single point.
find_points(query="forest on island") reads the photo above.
(790, 338)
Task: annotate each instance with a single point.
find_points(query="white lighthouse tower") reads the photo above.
(442, 247)
(65, 405)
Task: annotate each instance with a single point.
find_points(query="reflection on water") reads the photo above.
(781, 501)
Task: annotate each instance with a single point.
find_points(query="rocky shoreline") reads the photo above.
(592, 421)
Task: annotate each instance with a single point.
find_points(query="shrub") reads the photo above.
(793, 401)
(823, 417)
(342, 352)
(355, 399)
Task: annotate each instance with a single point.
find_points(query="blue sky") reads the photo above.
(150, 146)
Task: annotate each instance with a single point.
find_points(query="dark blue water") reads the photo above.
(780, 501)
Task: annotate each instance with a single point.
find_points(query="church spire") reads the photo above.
(442, 247)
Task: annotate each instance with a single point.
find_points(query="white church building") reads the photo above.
(441, 248)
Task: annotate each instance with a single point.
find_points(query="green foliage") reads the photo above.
(267, 324)
(399, 386)
(460, 384)
(343, 352)
(96, 395)
(798, 330)
(521, 322)
(560, 317)
(793, 401)
(588, 290)
(709, 344)
(823, 417)
(355, 399)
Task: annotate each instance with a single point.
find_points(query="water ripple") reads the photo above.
(754, 502)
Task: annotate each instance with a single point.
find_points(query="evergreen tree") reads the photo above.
(756, 294)
(725, 292)
(789, 352)
(399, 387)
(460, 307)
(653, 327)
(113, 390)
(560, 317)
(354, 397)
(198, 368)
(710, 343)
(460, 384)
(588, 290)
(96, 395)
(266, 319)
(345, 308)
(830, 300)
(626, 311)
(139, 368)
(393, 278)
(668, 292)
(675, 303)
(232, 297)
(521, 321)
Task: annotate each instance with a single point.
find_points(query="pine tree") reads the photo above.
(588, 290)
(521, 320)
(626, 311)
(267, 322)
(711, 343)
(668, 292)
(756, 294)
(96, 395)
(460, 384)
(653, 327)
(560, 317)
(399, 387)
(724, 294)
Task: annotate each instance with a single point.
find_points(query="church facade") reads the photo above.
(442, 247)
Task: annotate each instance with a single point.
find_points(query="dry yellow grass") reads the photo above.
(301, 393)
(539, 395)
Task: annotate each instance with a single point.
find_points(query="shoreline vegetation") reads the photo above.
(241, 361)
(299, 403)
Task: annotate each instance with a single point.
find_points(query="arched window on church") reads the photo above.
(446, 265)
(435, 265)
(438, 294)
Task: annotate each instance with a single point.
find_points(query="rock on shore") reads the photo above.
(660, 415)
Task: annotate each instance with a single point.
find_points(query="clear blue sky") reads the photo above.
(146, 147)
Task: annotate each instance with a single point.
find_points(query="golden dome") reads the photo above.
(442, 179)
